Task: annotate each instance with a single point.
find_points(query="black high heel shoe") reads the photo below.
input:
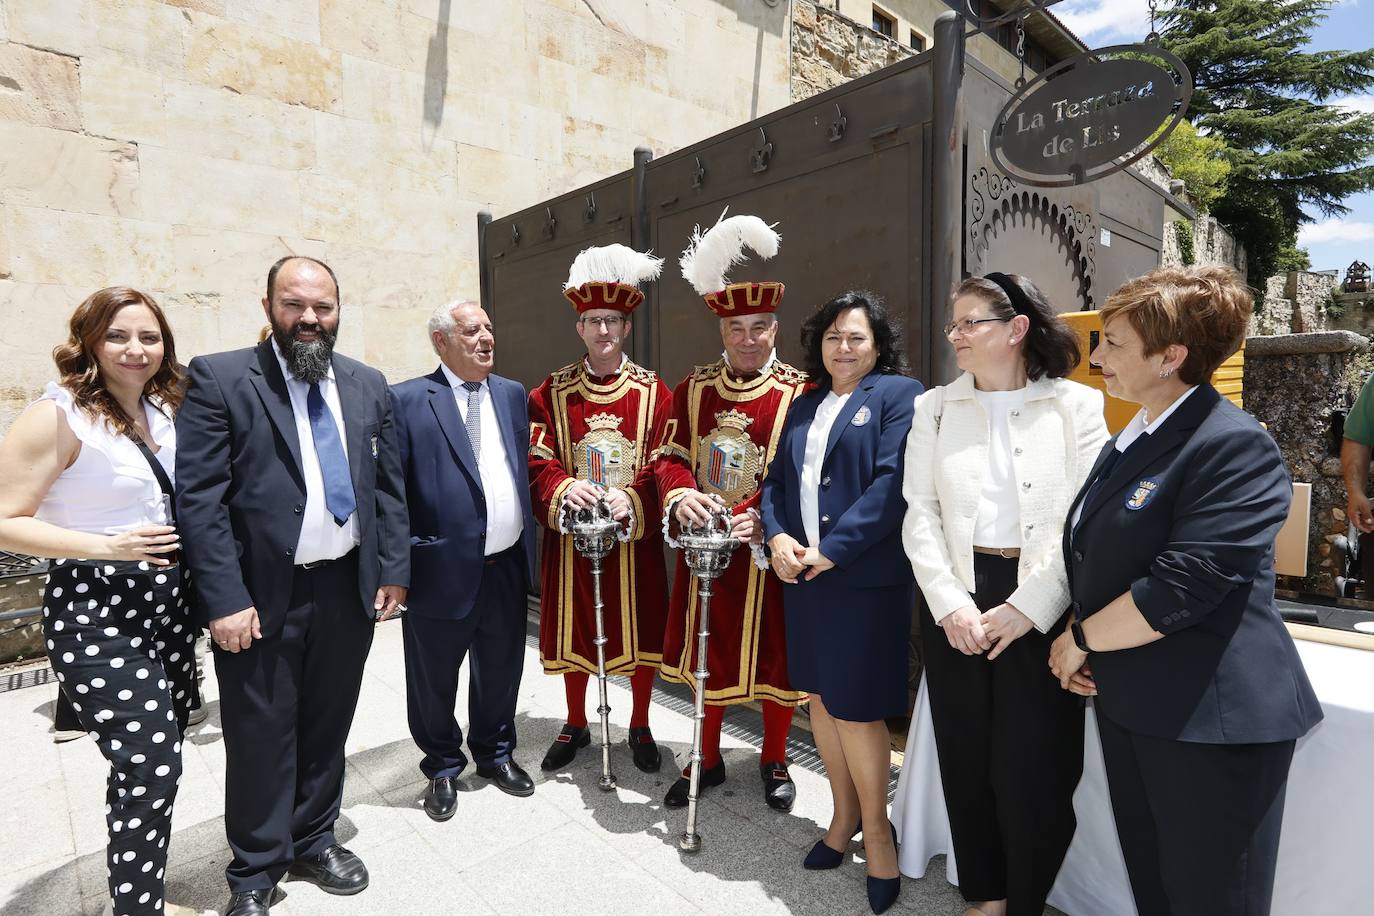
(882, 892)
(822, 856)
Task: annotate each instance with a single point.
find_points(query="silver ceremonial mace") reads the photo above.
(707, 552)
(594, 536)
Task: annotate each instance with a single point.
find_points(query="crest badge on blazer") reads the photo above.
(861, 416)
(1144, 491)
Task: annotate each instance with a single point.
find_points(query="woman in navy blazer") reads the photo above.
(832, 512)
(1200, 693)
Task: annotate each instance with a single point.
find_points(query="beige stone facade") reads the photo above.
(180, 146)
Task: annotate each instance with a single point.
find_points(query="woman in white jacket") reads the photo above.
(992, 463)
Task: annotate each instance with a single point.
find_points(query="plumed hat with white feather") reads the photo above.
(714, 252)
(608, 277)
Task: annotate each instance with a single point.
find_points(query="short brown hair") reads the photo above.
(79, 373)
(1205, 309)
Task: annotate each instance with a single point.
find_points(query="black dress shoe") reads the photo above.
(564, 747)
(441, 798)
(645, 750)
(778, 789)
(334, 871)
(509, 778)
(248, 903)
(678, 791)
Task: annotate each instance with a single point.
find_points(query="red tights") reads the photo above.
(641, 691)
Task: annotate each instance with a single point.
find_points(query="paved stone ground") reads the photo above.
(568, 848)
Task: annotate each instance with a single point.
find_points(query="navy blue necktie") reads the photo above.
(338, 486)
(1102, 474)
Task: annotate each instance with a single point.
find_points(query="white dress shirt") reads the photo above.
(504, 522)
(999, 505)
(321, 537)
(816, 438)
(1138, 427)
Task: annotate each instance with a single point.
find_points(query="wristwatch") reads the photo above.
(1079, 639)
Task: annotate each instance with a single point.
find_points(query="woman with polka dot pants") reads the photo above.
(120, 641)
(86, 469)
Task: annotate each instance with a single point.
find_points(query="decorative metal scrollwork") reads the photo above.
(514, 234)
(589, 215)
(762, 154)
(550, 224)
(996, 199)
(838, 126)
(698, 175)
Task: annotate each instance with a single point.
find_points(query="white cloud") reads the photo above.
(1335, 230)
(1361, 103)
(1103, 22)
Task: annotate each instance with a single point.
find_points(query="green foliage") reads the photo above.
(1183, 232)
(1199, 160)
(1333, 306)
(1291, 257)
(1258, 91)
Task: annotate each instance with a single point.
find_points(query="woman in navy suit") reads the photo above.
(1200, 692)
(832, 512)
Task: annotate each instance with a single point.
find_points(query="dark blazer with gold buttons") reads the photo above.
(1186, 522)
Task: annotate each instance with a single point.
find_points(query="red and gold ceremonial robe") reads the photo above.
(719, 440)
(601, 429)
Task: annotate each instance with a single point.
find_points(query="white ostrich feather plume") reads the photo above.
(613, 264)
(714, 252)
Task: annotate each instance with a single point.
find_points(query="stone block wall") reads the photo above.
(1212, 242)
(1295, 303)
(829, 48)
(181, 146)
(1293, 384)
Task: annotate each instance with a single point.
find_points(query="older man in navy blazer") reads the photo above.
(464, 435)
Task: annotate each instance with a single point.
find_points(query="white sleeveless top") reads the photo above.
(109, 488)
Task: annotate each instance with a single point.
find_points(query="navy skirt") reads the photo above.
(848, 644)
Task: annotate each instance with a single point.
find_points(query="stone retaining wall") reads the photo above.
(1294, 384)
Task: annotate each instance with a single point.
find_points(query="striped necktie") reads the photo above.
(473, 420)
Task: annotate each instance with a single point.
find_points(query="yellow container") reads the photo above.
(1228, 379)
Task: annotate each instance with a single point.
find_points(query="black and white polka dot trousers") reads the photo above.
(121, 641)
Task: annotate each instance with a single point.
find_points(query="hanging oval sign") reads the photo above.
(1091, 115)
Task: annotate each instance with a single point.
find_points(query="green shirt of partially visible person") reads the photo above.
(1356, 453)
(1359, 425)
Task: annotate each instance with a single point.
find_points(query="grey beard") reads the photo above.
(308, 360)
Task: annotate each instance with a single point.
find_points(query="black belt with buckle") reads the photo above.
(320, 564)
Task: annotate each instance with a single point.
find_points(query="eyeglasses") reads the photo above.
(968, 324)
(614, 323)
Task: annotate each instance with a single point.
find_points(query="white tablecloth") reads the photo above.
(1327, 850)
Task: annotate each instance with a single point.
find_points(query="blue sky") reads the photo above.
(1332, 243)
